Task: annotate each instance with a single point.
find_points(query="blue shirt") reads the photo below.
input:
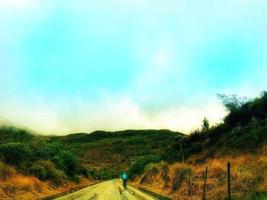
(124, 176)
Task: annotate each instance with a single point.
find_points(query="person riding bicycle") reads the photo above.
(124, 178)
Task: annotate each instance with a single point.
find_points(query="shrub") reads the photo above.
(138, 166)
(108, 173)
(14, 153)
(67, 162)
(38, 171)
(87, 172)
(13, 134)
(46, 170)
(151, 168)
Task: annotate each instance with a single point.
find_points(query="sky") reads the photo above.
(78, 66)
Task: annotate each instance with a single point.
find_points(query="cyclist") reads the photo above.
(124, 178)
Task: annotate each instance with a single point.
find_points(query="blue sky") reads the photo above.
(70, 66)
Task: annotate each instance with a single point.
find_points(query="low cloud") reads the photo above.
(108, 114)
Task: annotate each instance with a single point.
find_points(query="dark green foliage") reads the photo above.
(15, 153)
(232, 102)
(256, 108)
(46, 170)
(257, 196)
(244, 130)
(87, 172)
(138, 166)
(39, 156)
(205, 124)
(108, 173)
(43, 149)
(67, 162)
(72, 154)
(38, 171)
(12, 134)
(109, 153)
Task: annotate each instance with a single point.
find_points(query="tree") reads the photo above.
(232, 102)
(205, 124)
(14, 153)
(67, 162)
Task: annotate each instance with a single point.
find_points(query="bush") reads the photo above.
(13, 134)
(138, 166)
(108, 173)
(38, 171)
(67, 162)
(86, 172)
(46, 170)
(43, 150)
(14, 153)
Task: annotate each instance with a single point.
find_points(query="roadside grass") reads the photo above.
(185, 180)
(17, 186)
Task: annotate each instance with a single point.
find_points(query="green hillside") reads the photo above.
(100, 154)
(243, 130)
(103, 155)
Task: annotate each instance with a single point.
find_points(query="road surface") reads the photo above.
(108, 190)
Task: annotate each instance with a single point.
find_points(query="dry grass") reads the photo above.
(14, 185)
(184, 181)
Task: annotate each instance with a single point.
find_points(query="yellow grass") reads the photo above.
(248, 175)
(17, 186)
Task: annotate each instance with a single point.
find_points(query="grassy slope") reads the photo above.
(100, 150)
(248, 175)
(17, 186)
(240, 140)
(116, 150)
(108, 152)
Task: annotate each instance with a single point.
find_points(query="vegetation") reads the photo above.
(240, 139)
(174, 160)
(36, 155)
(100, 155)
(185, 180)
(106, 154)
(243, 130)
(138, 166)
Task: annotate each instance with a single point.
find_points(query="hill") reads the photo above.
(160, 160)
(58, 163)
(109, 153)
(241, 140)
(100, 154)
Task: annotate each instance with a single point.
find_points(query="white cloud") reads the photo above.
(190, 22)
(109, 113)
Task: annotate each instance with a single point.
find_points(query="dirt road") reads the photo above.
(108, 190)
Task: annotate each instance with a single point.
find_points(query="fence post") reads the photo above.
(204, 184)
(229, 180)
(189, 186)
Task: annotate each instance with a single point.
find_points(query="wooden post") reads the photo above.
(229, 181)
(204, 184)
(189, 186)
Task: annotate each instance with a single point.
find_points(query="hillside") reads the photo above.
(76, 159)
(240, 140)
(99, 154)
(160, 160)
(109, 153)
